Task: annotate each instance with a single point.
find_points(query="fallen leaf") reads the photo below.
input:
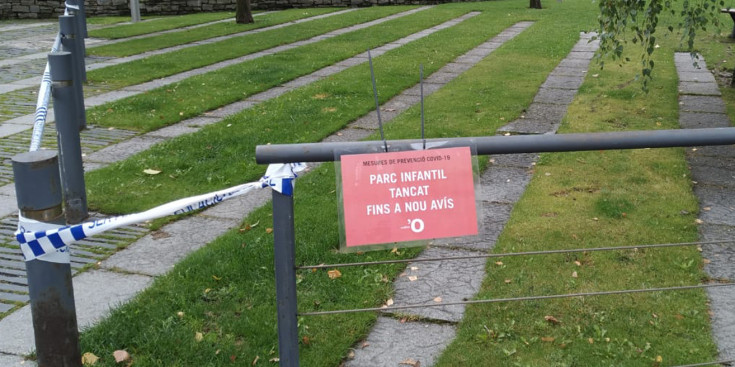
(365, 345)
(438, 299)
(216, 277)
(698, 221)
(414, 268)
(552, 320)
(547, 339)
(499, 263)
(269, 230)
(591, 341)
(306, 340)
(706, 261)
(410, 362)
(151, 172)
(351, 354)
(320, 96)
(507, 281)
(707, 208)
(198, 336)
(389, 302)
(121, 356)
(274, 360)
(413, 278)
(574, 274)
(334, 274)
(180, 314)
(577, 263)
(89, 359)
(232, 358)
(659, 359)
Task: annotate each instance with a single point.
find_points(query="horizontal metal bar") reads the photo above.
(509, 254)
(516, 299)
(325, 152)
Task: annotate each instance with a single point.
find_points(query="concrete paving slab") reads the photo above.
(108, 97)
(308, 79)
(721, 203)
(710, 104)
(237, 208)
(712, 151)
(156, 253)
(269, 94)
(563, 82)
(469, 59)
(522, 160)
(525, 126)
(17, 333)
(722, 305)
(451, 280)
(699, 89)
(553, 113)
(579, 53)
(567, 71)
(701, 76)
(455, 68)
(493, 219)
(7, 129)
(15, 361)
(172, 131)
(715, 176)
(8, 205)
(429, 88)
(555, 96)
(575, 63)
(122, 150)
(392, 342)
(230, 109)
(505, 184)
(441, 77)
(699, 120)
(8, 190)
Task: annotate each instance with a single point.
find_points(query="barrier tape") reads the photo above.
(52, 244)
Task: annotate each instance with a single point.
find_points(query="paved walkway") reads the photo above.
(701, 106)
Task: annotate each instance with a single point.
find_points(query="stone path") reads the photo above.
(392, 341)
(701, 106)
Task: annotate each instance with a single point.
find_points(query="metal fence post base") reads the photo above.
(285, 267)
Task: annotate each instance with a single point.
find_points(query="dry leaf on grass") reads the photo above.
(121, 356)
(334, 274)
(548, 339)
(198, 336)
(149, 171)
(89, 359)
(552, 320)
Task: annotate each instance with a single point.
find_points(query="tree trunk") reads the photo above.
(535, 4)
(244, 14)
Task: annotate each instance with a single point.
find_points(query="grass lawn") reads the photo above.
(140, 45)
(152, 24)
(170, 63)
(217, 307)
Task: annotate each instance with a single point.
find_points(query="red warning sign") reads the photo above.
(408, 196)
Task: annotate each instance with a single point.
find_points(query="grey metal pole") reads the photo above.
(324, 152)
(70, 149)
(80, 28)
(38, 189)
(71, 42)
(285, 266)
(134, 11)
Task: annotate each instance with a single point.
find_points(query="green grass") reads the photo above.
(225, 291)
(158, 66)
(156, 24)
(109, 20)
(195, 95)
(598, 199)
(140, 45)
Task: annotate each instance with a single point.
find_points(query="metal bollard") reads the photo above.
(70, 149)
(80, 24)
(134, 11)
(71, 42)
(38, 189)
(285, 267)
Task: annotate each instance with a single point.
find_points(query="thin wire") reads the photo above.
(509, 254)
(723, 363)
(421, 82)
(377, 104)
(516, 299)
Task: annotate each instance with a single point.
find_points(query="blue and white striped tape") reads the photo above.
(46, 245)
(44, 91)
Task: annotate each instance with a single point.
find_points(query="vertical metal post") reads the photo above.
(285, 265)
(38, 189)
(70, 149)
(71, 42)
(134, 11)
(80, 21)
